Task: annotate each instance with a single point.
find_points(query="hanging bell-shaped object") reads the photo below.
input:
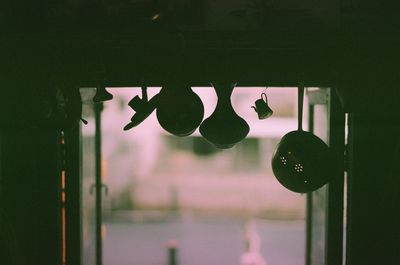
(102, 95)
(224, 128)
(179, 110)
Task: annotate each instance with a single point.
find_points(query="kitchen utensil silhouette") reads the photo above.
(302, 162)
(102, 95)
(262, 108)
(142, 107)
(224, 128)
(179, 110)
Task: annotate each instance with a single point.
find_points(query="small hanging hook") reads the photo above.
(84, 121)
(264, 97)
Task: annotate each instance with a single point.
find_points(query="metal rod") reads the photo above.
(300, 107)
(309, 199)
(99, 248)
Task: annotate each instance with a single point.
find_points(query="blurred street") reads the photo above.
(210, 241)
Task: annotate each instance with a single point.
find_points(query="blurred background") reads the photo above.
(217, 207)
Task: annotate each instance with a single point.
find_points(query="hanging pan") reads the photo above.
(302, 162)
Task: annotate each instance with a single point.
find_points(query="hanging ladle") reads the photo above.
(302, 162)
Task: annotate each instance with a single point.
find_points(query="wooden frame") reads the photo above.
(333, 248)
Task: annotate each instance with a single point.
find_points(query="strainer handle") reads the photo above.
(300, 107)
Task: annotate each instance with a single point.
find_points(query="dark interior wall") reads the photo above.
(30, 197)
(373, 231)
(44, 49)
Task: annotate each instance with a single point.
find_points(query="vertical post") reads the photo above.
(309, 198)
(98, 185)
(174, 204)
(172, 248)
(73, 190)
(333, 195)
(334, 225)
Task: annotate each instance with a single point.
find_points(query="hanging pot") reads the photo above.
(179, 110)
(302, 162)
(224, 128)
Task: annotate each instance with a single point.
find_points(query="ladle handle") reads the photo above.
(300, 107)
(144, 94)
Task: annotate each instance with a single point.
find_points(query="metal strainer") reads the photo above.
(302, 162)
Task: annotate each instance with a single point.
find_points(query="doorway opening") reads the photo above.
(182, 198)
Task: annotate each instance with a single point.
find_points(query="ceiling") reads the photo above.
(252, 42)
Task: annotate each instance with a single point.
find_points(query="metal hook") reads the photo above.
(266, 98)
